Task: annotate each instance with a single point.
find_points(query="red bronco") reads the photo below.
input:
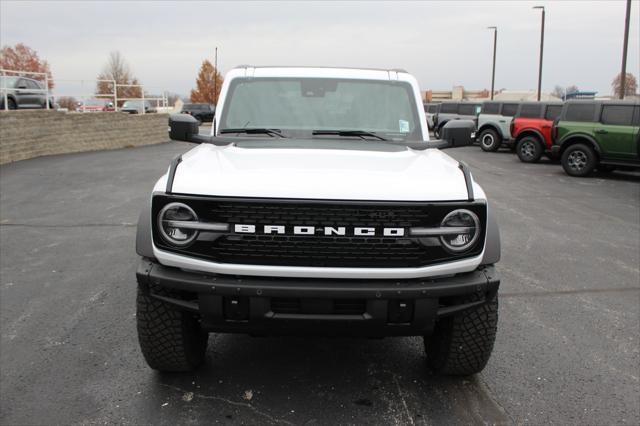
(531, 129)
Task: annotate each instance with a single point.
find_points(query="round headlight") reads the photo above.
(169, 220)
(466, 232)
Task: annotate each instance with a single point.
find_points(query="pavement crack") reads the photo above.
(568, 292)
(230, 402)
(404, 401)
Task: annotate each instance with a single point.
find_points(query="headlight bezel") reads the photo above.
(161, 227)
(474, 239)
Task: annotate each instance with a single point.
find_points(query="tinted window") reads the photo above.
(433, 108)
(467, 109)
(530, 110)
(620, 115)
(553, 112)
(636, 118)
(580, 112)
(490, 108)
(32, 84)
(449, 108)
(509, 110)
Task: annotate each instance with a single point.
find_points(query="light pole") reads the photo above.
(623, 73)
(493, 70)
(541, 50)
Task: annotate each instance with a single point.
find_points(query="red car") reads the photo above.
(531, 129)
(96, 105)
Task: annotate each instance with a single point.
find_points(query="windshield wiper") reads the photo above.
(349, 133)
(255, 131)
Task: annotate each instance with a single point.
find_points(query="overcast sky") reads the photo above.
(441, 43)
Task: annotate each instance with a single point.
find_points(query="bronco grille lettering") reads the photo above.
(364, 231)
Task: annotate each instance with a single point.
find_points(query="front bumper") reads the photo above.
(266, 305)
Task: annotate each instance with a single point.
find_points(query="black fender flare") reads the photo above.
(491, 127)
(492, 244)
(530, 131)
(144, 243)
(577, 138)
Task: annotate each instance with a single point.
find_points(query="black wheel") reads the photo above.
(489, 140)
(170, 339)
(12, 104)
(529, 149)
(579, 160)
(462, 344)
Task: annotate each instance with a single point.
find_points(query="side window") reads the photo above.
(490, 108)
(553, 112)
(530, 110)
(449, 108)
(580, 112)
(636, 117)
(509, 110)
(32, 84)
(617, 115)
(22, 83)
(467, 109)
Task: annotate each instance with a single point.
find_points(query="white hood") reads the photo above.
(335, 174)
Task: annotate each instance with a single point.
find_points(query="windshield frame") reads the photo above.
(416, 135)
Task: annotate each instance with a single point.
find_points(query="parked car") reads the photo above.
(96, 105)
(454, 111)
(494, 122)
(430, 110)
(531, 129)
(597, 134)
(135, 107)
(342, 218)
(202, 112)
(23, 93)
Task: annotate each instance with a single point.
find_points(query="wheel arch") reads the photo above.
(491, 126)
(530, 132)
(579, 138)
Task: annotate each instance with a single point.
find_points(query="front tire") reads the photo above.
(529, 149)
(461, 345)
(579, 160)
(170, 339)
(489, 140)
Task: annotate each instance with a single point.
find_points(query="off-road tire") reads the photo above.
(489, 140)
(529, 149)
(170, 339)
(462, 344)
(579, 160)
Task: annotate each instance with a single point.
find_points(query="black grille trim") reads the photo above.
(319, 251)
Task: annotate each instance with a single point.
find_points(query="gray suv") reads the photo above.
(454, 111)
(494, 123)
(23, 93)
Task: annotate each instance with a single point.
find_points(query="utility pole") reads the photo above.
(625, 45)
(215, 76)
(493, 70)
(541, 51)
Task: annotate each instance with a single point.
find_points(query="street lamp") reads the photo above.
(541, 50)
(493, 70)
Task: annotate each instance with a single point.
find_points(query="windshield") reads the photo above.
(132, 104)
(304, 105)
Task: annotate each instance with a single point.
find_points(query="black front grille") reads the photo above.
(318, 250)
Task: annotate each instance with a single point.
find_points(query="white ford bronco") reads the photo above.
(318, 205)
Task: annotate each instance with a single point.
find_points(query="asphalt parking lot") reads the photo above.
(567, 351)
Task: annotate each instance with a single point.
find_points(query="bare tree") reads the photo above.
(68, 102)
(118, 70)
(560, 92)
(630, 84)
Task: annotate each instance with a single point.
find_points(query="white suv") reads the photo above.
(318, 206)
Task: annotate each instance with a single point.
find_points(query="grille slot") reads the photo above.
(281, 305)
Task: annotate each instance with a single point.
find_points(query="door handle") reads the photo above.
(502, 121)
(600, 131)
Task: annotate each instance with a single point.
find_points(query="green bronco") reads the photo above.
(597, 134)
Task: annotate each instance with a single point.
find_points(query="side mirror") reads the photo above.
(457, 133)
(184, 128)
